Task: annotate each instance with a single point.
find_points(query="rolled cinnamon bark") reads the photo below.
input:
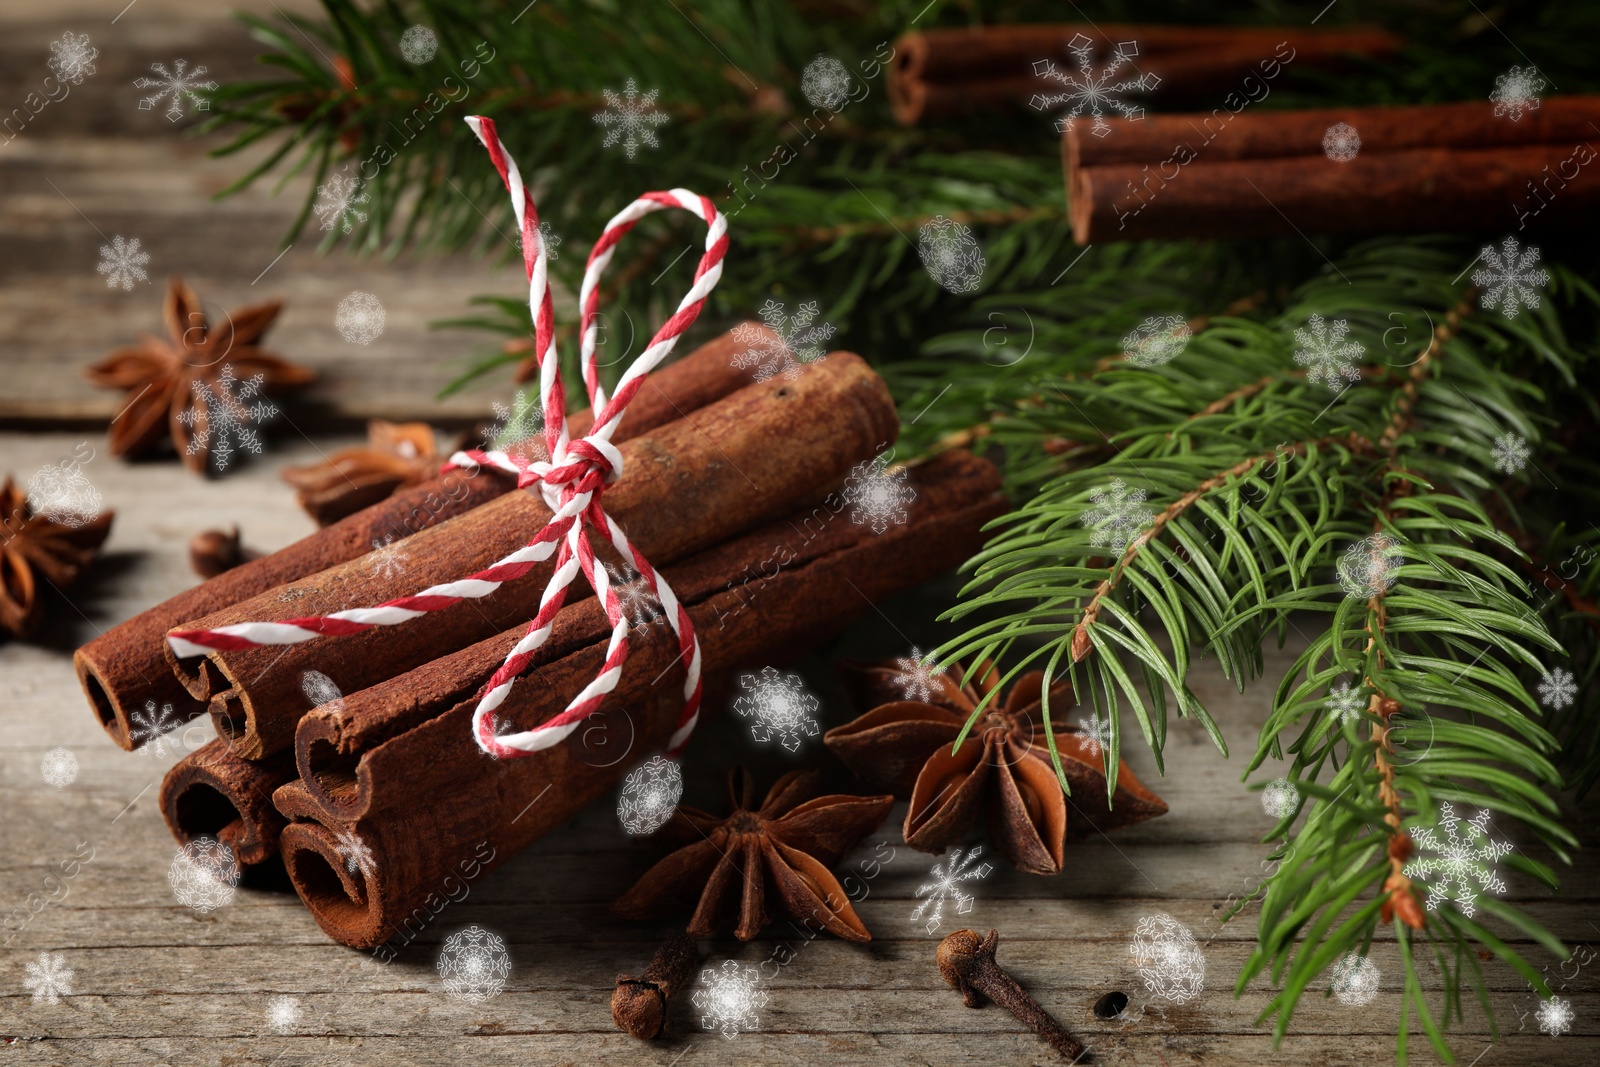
(685, 486)
(460, 806)
(213, 793)
(126, 666)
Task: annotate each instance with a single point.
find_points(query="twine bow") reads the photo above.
(572, 481)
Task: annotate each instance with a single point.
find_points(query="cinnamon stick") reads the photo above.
(461, 806)
(126, 666)
(214, 793)
(685, 486)
(939, 73)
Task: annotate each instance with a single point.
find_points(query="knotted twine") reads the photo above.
(572, 481)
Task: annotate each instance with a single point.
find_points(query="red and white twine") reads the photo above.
(572, 483)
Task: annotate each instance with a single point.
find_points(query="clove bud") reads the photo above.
(639, 1005)
(213, 551)
(968, 964)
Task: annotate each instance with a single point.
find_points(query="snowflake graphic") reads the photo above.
(918, 678)
(1355, 980)
(634, 596)
(418, 44)
(64, 495)
(1516, 92)
(283, 1014)
(49, 978)
(1168, 958)
(825, 83)
(787, 341)
(1463, 860)
(630, 118)
(1280, 798)
(1157, 340)
(878, 496)
(173, 86)
(1555, 1016)
(778, 706)
(1510, 453)
(357, 854)
(518, 430)
(72, 58)
(1341, 142)
(59, 767)
(729, 998)
(204, 874)
(122, 262)
(1094, 91)
(339, 200)
(1324, 350)
(548, 240)
(1096, 733)
(474, 965)
(359, 318)
(1345, 703)
(1557, 689)
(149, 729)
(951, 254)
(1511, 278)
(227, 416)
(1370, 566)
(946, 887)
(1118, 517)
(650, 794)
(320, 689)
(387, 559)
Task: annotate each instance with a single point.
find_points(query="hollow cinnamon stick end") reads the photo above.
(213, 793)
(345, 903)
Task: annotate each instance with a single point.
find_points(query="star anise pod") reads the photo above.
(158, 375)
(33, 547)
(397, 454)
(1002, 769)
(785, 847)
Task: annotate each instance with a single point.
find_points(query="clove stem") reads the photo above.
(968, 964)
(639, 1005)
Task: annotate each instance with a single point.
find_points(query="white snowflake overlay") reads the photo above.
(1157, 340)
(730, 998)
(387, 558)
(1510, 453)
(1557, 689)
(1341, 143)
(1516, 92)
(360, 318)
(320, 689)
(951, 254)
(630, 117)
(1345, 703)
(825, 83)
(1168, 958)
(474, 965)
(338, 201)
(918, 678)
(283, 1014)
(227, 417)
(638, 602)
(946, 887)
(148, 729)
(1327, 355)
(650, 794)
(418, 44)
(1370, 566)
(1093, 91)
(778, 707)
(548, 239)
(59, 767)
(204, 874)
(1511, 278)
(1096, 734)
(792, 340)
(49, 978)
(1463, 860)
(1280, 798)
(1555, 1016)
(64, 495)
(122, 262)
(1355, 980)
(173, 86)
(1118, 516)
(72, 57)
(877, 496)
(357, 854)
(517, 429)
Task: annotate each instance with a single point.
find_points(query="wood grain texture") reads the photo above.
(155, 983)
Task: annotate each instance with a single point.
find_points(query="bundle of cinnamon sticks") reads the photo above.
(369, 784)
(941, 73)
(1233, 172)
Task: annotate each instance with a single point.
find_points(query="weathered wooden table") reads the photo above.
(154, 982)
